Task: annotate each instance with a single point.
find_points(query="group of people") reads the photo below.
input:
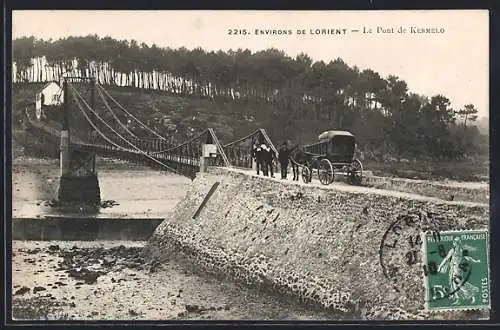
(264, 157)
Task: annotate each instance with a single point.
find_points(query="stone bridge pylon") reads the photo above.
(78, 180)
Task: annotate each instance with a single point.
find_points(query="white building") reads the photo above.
(49, 95)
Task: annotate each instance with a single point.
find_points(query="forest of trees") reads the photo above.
(384, 115)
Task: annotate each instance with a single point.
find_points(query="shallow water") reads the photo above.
(138, 191)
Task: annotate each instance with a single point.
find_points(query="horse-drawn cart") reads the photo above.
(334, 152)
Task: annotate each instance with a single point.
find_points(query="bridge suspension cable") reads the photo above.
(100, 118)
(113, 113)
(118, 134)
(145, 143)
(241, 139)
(128, 113)
(77, 101)
(240, 152)
(260, 131)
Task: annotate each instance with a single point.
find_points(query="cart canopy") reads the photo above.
(330, 134)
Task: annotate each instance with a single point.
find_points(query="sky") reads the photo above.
(453, 62)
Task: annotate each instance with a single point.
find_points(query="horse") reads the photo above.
(298, 157)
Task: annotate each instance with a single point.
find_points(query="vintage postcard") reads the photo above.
(255, 165)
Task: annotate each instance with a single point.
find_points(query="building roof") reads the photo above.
(47, 84)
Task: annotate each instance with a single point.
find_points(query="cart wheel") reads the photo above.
(306, 174)
(325, 171)
(356, 172)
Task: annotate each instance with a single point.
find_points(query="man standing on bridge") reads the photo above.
(257, 155)
(263, 159)
(268, 157)
(284, 155)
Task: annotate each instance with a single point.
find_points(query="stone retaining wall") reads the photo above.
(321, 245)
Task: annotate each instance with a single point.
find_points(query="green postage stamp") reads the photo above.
(456, 270)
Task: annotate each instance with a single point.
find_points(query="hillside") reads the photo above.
(231, 121)
(190, 116)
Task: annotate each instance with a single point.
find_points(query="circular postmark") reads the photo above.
(400, 250)
(419, 259)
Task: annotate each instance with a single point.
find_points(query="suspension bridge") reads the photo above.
(90, 127)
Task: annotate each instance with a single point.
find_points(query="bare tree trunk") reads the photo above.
(158, 81)
(59, 71)
(111, 73)
(34, 73)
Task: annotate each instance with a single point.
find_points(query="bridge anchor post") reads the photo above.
(208, 150)
(203, 164)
